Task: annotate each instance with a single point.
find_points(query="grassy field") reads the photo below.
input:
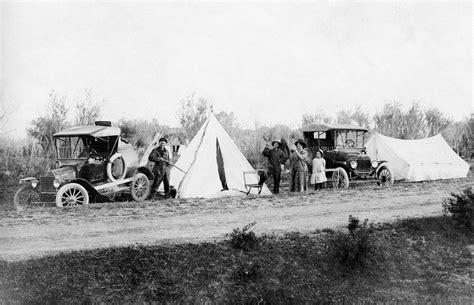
(413, 260)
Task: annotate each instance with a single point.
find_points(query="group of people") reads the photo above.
(299, 167)
(298, 157)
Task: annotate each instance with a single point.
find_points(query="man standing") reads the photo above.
(275, 159)
(161, 170)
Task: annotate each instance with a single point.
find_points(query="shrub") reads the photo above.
(460, 207)
(355, 248)
(243, 238)
(247, 271)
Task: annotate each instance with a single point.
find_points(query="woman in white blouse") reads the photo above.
(318, 177)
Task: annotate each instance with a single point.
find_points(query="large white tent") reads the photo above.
(418, 160)
(213, 164)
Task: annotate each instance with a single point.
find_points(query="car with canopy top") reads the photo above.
(93, 164)
(345, 153)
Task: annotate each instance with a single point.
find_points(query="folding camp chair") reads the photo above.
(249, 185)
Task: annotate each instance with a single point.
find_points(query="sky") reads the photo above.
(269, 63)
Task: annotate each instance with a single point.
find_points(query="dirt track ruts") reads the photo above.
(49, 230)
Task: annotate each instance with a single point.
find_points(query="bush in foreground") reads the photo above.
(244, 238)
(355, 248)
(461, 208)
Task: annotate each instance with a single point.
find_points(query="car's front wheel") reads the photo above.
(140, 188)
(72, 194)
(27, 197)
(340, 179)
(385, 176)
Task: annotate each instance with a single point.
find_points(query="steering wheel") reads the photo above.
(95, 155)
(350, 143)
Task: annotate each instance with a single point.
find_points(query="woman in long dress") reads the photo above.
(318, 177)
(298, 167)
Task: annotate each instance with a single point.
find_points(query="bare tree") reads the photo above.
(355, 116)
(436, 121)
(4, 113)
(457, 135)
(414, 126)
(54, 120)
(392, 121)
(192, 114)
(320, 117)
(88, 108)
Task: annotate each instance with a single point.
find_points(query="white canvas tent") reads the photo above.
(418, 160)
(213, 164)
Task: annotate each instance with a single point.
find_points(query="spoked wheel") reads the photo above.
(385, 176)
(140, 188)
(27, 197)
(340, 178)
(72, 194)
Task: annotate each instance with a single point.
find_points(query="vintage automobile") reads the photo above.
(345, 154)
(93, 165)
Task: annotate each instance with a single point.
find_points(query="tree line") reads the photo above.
(392, 120)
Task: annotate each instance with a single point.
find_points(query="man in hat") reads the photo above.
(275, 158)
(298, 166)
(161, 169)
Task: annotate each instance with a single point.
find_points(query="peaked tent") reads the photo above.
(418, 160)
(213, 163)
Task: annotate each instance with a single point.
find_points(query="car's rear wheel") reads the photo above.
(140, 188)
(72, 194)
(385, 176)
(340, 178)
(27, 197)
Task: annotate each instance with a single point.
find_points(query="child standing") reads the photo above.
(319, 171)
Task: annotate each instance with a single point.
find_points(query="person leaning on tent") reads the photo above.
(161, 169)
(298, 167)
(275, 158)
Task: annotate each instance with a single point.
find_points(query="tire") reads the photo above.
(140, 187)
(110, 171)
(72, 194)
(385, 176)
(340, 178)
(27, 197)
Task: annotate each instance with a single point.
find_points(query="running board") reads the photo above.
(115, 183)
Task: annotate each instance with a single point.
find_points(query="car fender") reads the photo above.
(383, 164)
(93, 193)
(145, 170)
(26, 180)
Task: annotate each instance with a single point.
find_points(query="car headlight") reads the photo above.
(374, 164)
(34, 183)
(354, 164)
(56, 183)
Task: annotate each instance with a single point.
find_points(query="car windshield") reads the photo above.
(349, 138)
(71, 148)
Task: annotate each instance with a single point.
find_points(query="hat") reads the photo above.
(301, 142)
(163, 140)
(320, 151)
(276, 140)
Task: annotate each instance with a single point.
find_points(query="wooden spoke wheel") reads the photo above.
(72, 194)
(27, 197)
(385, 176)
(140, 188)
(340, 178)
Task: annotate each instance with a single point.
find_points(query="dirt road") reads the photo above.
(49, 230)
